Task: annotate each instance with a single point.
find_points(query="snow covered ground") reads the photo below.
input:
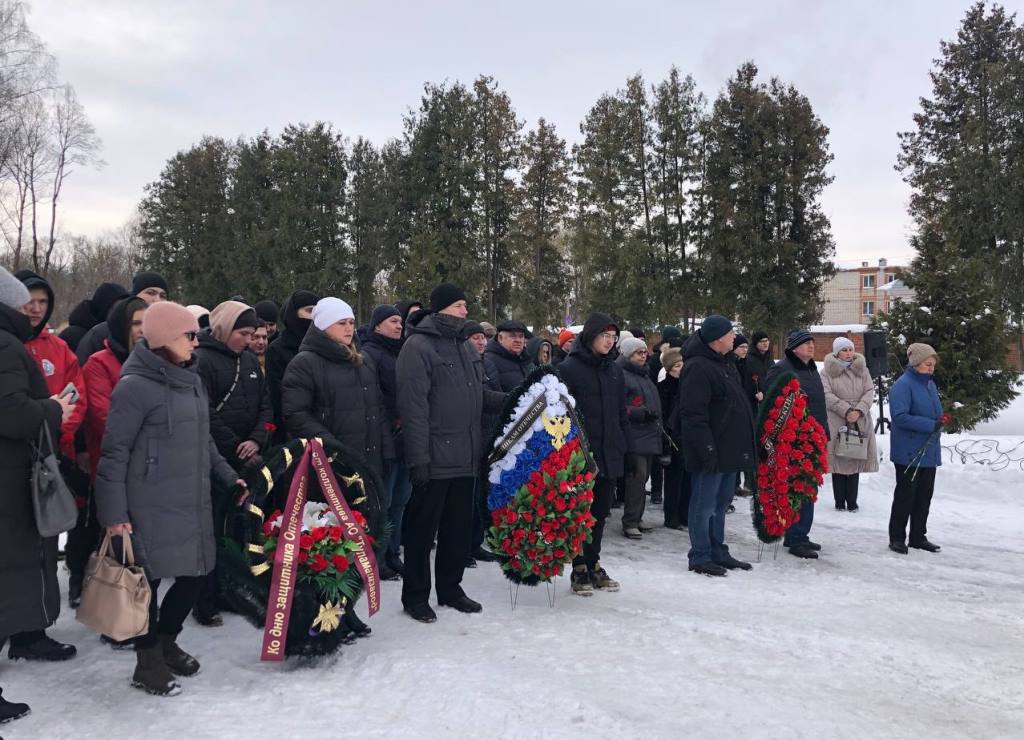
(861, 643)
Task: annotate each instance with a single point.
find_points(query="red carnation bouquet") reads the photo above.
(547, 521)
(794, 459)
(323, 550)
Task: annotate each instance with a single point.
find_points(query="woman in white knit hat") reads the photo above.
(849, 393)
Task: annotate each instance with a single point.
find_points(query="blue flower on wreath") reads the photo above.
(538, 448)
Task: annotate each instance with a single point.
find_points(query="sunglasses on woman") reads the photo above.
(191, 335)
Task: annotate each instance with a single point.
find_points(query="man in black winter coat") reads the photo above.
(716, 428)
(149, 286)
(508, 353)
(382, 345)
(297, 317)
(759, 364)
(441, 401)
(799, 360)
(598, 386)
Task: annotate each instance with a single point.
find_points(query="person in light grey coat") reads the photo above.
(849, 393)
(153, 483)
(643, 433)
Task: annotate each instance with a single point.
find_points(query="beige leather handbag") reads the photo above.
(115, 595)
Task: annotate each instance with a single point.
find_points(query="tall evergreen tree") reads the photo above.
(768, 245)
(185, 229)
(541, 268)
(963, 161)
(366, 217)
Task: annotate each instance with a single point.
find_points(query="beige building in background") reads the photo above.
(855, 295)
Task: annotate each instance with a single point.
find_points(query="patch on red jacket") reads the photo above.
(48, 368)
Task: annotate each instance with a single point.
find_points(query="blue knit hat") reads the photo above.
(798, 337)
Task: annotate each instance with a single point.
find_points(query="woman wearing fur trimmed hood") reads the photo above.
(849, 393)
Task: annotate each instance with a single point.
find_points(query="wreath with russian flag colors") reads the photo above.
(793, 451)
(541, 480)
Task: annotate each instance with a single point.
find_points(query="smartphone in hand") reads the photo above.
(70, 392)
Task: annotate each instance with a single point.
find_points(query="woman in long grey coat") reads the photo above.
(153, 483)
(849, 393)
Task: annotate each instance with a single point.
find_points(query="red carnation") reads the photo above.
(340, 563)
(335, 533)
(319, 533)
(270, 426)
(303, 556)
(360, 519)
(319, 564)
(305, 542)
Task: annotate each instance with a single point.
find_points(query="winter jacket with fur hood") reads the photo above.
(849, 388)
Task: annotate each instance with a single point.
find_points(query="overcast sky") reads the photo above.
(156, 77)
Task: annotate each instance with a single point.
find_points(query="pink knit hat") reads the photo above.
(165, 321)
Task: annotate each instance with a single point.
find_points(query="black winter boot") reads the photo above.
(75, 590)
(151, 672)
(580, 580)
(10, 710)
(39, 646)
(708, 569)
(601, 580)
(177, 660)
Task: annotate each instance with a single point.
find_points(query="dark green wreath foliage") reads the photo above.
(242, 592)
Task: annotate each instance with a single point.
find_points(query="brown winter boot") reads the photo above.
(178, 661)
(152, 674)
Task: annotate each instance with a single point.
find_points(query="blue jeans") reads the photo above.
(711, 495)
(398, 489)
(798, 533)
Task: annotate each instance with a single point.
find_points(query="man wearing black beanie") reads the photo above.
(268, 313)
(716, 427)
(383, 343)
(90, 312)
(441, 401)
(149, 286)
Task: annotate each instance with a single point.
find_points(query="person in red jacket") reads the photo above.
(103, 369)
(52, 354)
(59, 367)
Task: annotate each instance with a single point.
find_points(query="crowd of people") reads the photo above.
(152, 400)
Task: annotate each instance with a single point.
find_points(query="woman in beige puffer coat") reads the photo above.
(849, 393)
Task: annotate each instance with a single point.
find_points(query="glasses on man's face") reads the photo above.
(606, 335)
(191, 335)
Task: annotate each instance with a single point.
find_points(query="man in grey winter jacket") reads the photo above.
(441, 400)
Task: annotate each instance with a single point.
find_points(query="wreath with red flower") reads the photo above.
(793, 451)
(541, 480)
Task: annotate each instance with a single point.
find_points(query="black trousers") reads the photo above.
(844, 489)
(85, 537)
(169, 616)
(441, 509)
(912, 500)
(604, 490)
(677, 492)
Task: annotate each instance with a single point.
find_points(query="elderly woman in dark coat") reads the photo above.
(153, 483)
(29, 596)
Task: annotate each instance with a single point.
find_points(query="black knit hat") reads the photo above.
(740, 339)
(267, 311)
(471, 328)
(445, 295)
(714, 327)
(248, 318)
(758, 336)
(381, 313)
(143, 280)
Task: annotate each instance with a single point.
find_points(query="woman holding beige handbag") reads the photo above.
(153, 484)
(849, 393)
